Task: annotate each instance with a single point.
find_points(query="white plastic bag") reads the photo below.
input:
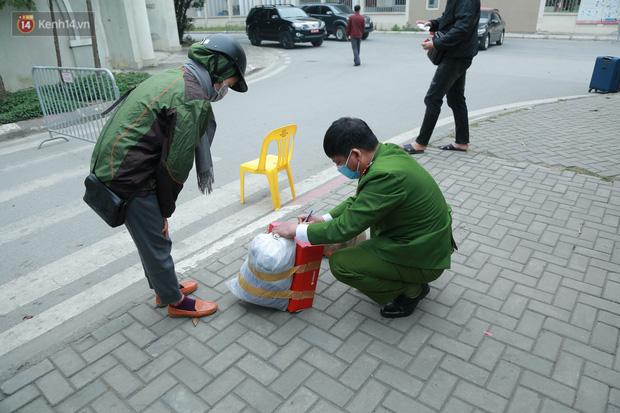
(268, 254)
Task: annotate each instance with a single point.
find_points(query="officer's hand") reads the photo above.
(285, 229)
(312, 220)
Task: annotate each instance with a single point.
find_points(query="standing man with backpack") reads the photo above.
(355, 31)
(459, 26)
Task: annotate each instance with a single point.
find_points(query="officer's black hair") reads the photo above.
(348, 133)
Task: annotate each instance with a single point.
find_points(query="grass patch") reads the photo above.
(230, 28)
(24, 104)
(405, 28)
(583, 171)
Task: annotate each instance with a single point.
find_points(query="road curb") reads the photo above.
(20, 129)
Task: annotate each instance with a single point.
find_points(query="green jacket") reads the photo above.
(409, 219)
(153, 134)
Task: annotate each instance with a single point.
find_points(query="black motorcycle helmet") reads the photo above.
(229, 47)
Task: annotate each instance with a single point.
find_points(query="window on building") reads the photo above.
(385, 6)
(432, 4)
(220, 7)
(217, 8)
(562, 6)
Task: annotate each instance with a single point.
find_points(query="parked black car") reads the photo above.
(491, 28)
(285, 24)
(335, 17)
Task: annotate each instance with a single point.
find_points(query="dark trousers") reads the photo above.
(144, 223)
(449, 81)
(355, 45)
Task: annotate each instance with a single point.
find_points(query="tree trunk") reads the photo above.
(93, 34)
(3, 96)
(55, 34)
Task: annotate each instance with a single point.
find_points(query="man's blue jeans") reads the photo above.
(449, 81)
(355, 45)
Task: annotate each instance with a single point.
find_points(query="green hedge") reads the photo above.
(24, 105)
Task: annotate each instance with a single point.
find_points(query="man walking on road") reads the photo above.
(459, 25)
(355, 31)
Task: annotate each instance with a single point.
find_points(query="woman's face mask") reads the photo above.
(218, 94)
(344, 169)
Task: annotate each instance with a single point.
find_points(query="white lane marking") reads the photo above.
(81, 302)
(72, 267)
(270, 73)
(206, 241)
(22, 144)
(40, 183)
(30, 225)
(27, 164)
(267, 76)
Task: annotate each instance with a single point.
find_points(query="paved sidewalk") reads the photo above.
(527, 319)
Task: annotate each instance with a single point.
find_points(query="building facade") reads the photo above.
(524, 16)
(127, 34)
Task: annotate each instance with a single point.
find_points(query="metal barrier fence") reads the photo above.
(72, 100)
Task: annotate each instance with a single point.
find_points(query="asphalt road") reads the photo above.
(320, 84)
(54, 248)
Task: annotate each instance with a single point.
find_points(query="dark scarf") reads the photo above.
(204, 161)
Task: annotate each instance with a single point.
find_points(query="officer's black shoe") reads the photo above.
(403, 306)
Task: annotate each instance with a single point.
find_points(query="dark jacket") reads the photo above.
(153, 134)
(459, 25)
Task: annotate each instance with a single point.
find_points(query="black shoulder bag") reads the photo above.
(433, 54)
(109, 206)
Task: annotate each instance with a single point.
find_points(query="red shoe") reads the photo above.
(187, 288)
(202, 308)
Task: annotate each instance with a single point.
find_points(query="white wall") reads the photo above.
(127, 32)
(567, 23)
(20, 53)
(385, 21)
(162, 21)
(124, 30)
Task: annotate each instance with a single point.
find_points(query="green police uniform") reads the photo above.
(410, 226)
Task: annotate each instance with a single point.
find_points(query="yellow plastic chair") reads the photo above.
(270, 165)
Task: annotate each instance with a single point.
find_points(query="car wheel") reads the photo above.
(501, 39)
(341, 33)
(286, 40)
(254, 37)
(317, 43)
(365, 36)
(484, 45)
